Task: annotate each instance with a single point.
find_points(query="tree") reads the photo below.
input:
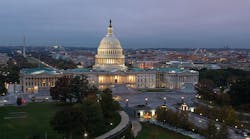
(73, 89)
(183, 120)
(19, 101)
(223, 99)
(239, 91)
(69, 120)
(205, 88)
(161, 114)
(237, 81)
(62, 89)
(223, 132)
(211, 131)
(177, 119)
(108, 104)
(80, 87)
(230, 116)
(94, 115)
(3, 90)
(216, 131)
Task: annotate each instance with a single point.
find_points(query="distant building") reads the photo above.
(109, 70)
(4, 58)
(180, 64)
(146, 64)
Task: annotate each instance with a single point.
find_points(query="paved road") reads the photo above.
(155, 99)
(123, 124)
(202, 121)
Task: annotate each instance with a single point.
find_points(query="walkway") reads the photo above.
(122, 125)
(136, 127)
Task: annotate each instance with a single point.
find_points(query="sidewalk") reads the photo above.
(136, 127)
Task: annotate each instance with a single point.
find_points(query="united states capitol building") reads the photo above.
(110, 70)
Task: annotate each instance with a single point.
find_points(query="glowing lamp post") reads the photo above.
(85, 135)
(146, 101)
(165, 100)
(126, 102)
(182, 99)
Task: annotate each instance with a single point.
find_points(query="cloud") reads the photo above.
(179, 23)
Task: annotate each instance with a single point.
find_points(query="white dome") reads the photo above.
(110, 42)
(109, 55)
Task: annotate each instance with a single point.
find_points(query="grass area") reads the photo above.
(33, 119)
(150, 131)
(36, 121)
(154, 90)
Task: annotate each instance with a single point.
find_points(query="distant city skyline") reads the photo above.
(137, 24)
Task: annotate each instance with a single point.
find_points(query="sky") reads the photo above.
(136, 23)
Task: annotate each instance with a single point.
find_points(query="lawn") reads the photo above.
(150, 131)
(34, 120)
(26, 121)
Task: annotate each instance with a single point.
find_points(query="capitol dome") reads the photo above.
(110, 42)
(109, 53)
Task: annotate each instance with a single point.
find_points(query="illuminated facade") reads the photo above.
(37, 79)
(110, 70)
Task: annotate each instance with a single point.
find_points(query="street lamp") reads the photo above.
(126, 102)
(164, 98)
(146, 101)
(85, 134)
(182, 99)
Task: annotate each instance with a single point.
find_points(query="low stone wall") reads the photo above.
(119, 129)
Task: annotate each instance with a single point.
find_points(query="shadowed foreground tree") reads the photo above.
(108, 104)
(91, 114)
(3, 90)
(239, 92)
(68, 121)
(94, 114)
